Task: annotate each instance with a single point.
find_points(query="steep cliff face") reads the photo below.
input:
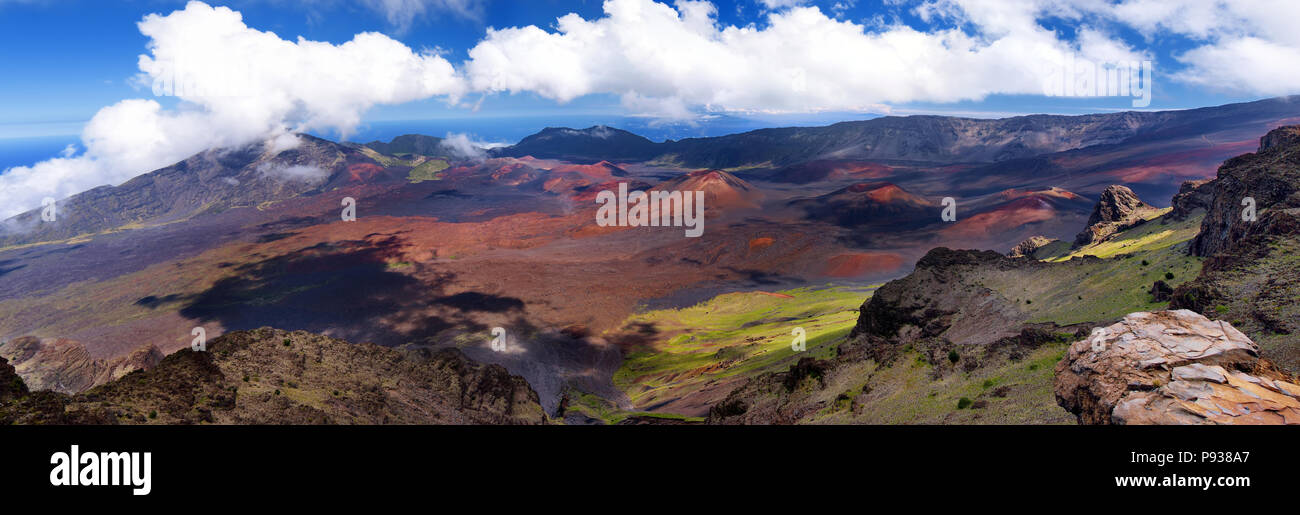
(66, 366)
(268, 376)
(1173, 367)
(1192, 195)
(1251, 277)
(1270, 177)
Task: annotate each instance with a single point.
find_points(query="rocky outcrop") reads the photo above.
(1117, 210)
(1173, 367)
(934, 300)
(1191, 196)
(1029, 246)
(1250, 276)
(66, 366)
(268, 376)
(1269, 177)
(1280, 137)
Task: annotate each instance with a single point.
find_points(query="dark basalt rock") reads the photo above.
(1117, 210)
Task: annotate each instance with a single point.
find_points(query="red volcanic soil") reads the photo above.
(1004, 217)
(363, 172)
(588, 193)
(722, 190)
(579, 179)
(886, 193)
(858, 264)
(602, 171)
(514, 174)
(760, 243)
(822, 170)
(1190, 164)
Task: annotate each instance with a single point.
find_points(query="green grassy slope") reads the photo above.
(1094, 290)
(732, 336)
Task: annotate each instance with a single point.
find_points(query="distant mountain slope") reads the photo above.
(935, 139)
(210, 181)
(598, 143)
(413, 144)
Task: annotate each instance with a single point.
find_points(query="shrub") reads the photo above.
(1169, 275)
(1145, 262)
(953, 356)
(286, 342)
(963, 403)
(153, 413)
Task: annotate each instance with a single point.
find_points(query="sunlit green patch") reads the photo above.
(732, 336)
(1080, 290)
(427, 171)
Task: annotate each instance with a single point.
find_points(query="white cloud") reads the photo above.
(669, 61)
(1239, 46)
(651, 54)
(236, 86)
(462, 146)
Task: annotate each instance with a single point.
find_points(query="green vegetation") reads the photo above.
(732, 337)
(1091, 290)
(427, 171)
(911, 391)
(605, 411)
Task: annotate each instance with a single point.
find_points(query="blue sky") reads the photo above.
(92, 91)
(68, 58)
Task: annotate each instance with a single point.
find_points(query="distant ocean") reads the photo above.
(29, 151)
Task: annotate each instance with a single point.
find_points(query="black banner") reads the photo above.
(237, 464)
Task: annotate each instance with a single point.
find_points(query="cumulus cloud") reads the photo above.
(680, 59)
(671, 61)
(236, 85)
(462, 146)
(1241, 46)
